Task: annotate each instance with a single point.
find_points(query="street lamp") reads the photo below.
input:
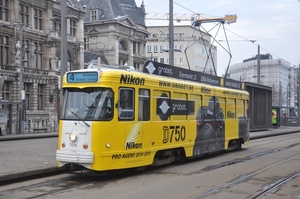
(258, 62)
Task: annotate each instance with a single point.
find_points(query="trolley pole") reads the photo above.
(64, 49)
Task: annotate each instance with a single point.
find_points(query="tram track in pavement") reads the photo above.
(55, 186)
(74, 182)
(57, 171)
(248, 176)
(82, 181)
(276, 185)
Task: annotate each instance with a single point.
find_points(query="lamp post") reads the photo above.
(298, 95)
(19, 59)
(258, 64)
(258, 61)
(64, 50)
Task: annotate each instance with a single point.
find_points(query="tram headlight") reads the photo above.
(72, 137)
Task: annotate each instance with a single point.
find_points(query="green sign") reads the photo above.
(274, 116)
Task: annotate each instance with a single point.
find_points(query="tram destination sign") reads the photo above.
(82, 77)
(157, 68)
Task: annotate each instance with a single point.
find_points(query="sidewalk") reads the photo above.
(32, 159)
(28, 136)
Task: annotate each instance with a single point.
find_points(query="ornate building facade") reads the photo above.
(36, 24)
(115, 31)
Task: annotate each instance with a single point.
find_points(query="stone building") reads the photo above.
(115, 31)
(38, 23)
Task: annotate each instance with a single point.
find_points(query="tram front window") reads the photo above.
(88, 104)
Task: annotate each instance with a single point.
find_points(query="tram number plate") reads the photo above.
(173, 133)
(73, 144)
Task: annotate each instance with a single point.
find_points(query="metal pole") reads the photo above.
(171, 34)
(258, 65)
(21, 129)
(298, 94)
(64, 48)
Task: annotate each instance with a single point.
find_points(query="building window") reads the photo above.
(38, 54)
(5, 92)
(136, 48)
(181, 36)
(181, 48)
(3, 10)
(68, 64)
(181, 61)
(27, 95)
(163, 37)
(149, 49)
(93, 15)
(72, 27)
(41, 88)
(38, 19)
(24, 14)
(87, 44)
(134, 45)
(123, 45)
(56, 23)
(161, 49)
(3, 49)
(136, 66)
(155, 59)
(162, 60)
(155, 49)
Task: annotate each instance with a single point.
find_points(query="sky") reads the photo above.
(273, 24)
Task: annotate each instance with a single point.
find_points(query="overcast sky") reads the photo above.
(273, 24)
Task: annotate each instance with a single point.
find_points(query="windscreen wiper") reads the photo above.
(79, 117)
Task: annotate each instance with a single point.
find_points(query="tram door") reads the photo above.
(134, 111)
(144, 115)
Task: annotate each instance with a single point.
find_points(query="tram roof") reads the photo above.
(172, 72)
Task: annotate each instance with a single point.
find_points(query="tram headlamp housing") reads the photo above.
(72, 137)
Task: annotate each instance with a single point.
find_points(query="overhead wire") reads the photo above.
(245, 39)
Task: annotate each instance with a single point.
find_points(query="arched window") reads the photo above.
(123, 45)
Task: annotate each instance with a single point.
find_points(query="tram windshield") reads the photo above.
(88, 104)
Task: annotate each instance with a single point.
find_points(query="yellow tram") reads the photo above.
(120, 118)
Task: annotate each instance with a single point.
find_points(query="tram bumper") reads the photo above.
(75, 157)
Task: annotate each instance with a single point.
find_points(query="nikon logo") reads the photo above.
(130, 79)
(133, 145)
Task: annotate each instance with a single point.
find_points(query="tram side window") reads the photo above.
(144, 105)
(231, 108)
(126, 103)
